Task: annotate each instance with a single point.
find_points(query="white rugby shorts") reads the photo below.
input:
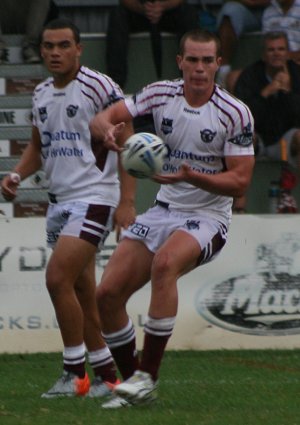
(155, 226)
(89, 222)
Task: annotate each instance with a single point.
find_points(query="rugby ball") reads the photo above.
(143, 155)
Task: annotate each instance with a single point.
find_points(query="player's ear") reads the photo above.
(79, 50)
(179, 62)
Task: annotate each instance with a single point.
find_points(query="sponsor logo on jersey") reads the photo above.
(43, 114)
(188, 155)
(166, 125)
(265, 302)
(72, 111)
(191, 111)
(207, 136)
(59, 94)
(62, 135)
(243, 139)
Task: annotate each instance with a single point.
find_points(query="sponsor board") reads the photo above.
(30, 209)
(18, 85)
(17, 147)
(263, 301)
(21, 85)
(13, 117)
(248, 297)
(12, 147)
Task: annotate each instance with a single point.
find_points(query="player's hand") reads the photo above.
(111, 135)
(181, 175)
(124, 216)
(9, 186)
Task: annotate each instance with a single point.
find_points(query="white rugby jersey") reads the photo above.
(202, 137)
(275, 19)
(77, 166)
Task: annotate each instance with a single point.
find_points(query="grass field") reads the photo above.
(250, 387)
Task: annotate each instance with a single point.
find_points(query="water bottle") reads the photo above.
(274, 192)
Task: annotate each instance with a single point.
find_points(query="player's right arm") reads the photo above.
(29, 163)
(107, 125)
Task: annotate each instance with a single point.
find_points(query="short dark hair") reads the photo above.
(61, 23)
(275, 35)
(200, 35)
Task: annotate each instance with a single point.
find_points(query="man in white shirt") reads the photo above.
(85, 201)
(210, 160)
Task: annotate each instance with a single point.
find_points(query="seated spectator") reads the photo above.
(234, 19)
(284, 15)
(281, 15)
(271, 89)
(144, 15)
(25, 17)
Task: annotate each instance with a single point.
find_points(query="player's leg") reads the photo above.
(99, 355)
(70, 256)
(127, 270)
(181, 253)
(186, 248)
(177, 256)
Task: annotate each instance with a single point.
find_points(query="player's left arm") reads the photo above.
(233, 182)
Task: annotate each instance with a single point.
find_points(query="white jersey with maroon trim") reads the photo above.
(201, 137)
(77, 166)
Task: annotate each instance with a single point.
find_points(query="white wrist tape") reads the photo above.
(15, 177)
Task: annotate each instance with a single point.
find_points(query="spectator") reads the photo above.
(234, 19)
(144, 15)
(281, 15)
(271, 89)
(284, 15)
(85, 201)
(25, 17)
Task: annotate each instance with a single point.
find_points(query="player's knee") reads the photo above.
(54, 282)
(106, 298)
(163, 266)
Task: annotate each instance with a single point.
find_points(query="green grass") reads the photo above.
(247, 387)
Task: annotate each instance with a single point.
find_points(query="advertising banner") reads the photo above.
(248, 297)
